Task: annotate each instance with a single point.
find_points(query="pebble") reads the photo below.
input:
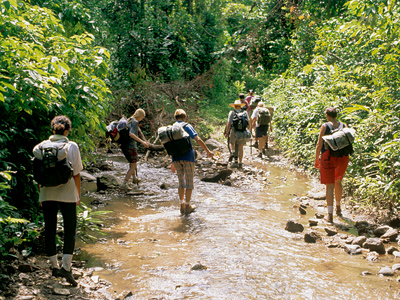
(62, 292)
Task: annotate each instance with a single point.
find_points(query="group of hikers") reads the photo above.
(66, 196)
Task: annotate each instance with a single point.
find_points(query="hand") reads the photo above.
(210, 154)
(146, 144)
(317, 164)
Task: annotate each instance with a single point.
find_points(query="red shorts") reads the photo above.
(332, 168)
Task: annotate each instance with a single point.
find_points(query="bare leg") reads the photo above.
(188, 195)
(262, 142)
(181, 192)
(131, 171)
(338, 191)
(240, 153)
(329, 193)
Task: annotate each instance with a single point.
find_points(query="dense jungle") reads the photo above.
(95, 61)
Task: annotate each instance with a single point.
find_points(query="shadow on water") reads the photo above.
(237, 233)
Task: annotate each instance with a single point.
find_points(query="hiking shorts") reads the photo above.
(233, 140)
(130, 151)
(261, 131)
(185, 171)
(332, 168)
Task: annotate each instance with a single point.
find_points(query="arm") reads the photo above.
(203, 145)
(319, 146)
(77, 179)
(227, 129)
(137, 139)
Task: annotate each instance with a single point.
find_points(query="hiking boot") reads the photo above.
(240, 166)
(260, 155)
(329, 218)
(230, 157)
(189, 209)
(182, 208)
(338, 211)
(136, 180)
(234, 165)
(125, 187)
(54, 272)
(68, 276)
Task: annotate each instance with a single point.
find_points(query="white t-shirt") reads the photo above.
(255, 115)
(64, 192)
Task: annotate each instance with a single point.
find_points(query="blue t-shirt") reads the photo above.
(189, 156)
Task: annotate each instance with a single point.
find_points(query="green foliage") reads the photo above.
(88, 223)
(355, 68)
(44, 71)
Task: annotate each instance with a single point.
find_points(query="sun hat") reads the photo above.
(237, 103)
(260, 104)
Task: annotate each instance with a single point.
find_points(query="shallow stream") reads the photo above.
(237, 233)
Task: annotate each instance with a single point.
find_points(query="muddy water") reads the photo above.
(236, 233)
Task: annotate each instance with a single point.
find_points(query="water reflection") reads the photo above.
(237, 233)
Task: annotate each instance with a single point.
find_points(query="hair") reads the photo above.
(137, 114)
(241, 96)
(331, 112)
(60, 123)
(179, 114)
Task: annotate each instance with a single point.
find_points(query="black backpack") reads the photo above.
(175, 139)
(48, 169)
(239, 121)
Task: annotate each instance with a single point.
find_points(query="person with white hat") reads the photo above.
(238, 121)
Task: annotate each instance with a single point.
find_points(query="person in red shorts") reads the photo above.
(331, 168)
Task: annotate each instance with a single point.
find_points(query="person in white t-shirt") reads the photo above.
(65, 197)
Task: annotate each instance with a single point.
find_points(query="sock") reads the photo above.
(187, 203)
(182, 201)
(54, 261)
(67, 260)
(330, 209)
(338, 204)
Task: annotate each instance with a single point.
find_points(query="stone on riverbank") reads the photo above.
(375, 244)
(313, 222)
(213, 144)
(293, 226)
(386, 271)
(391, 234)
(331, 231)
(217, 176)
(391, 249)
(381, 230)
(85, 176)
(353, 249)
(311, 237)
(360, 240)
(108, 181)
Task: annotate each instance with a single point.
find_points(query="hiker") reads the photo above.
(64, 197)
(331, 168)
(261, 121)
(248, 99)
(130, 148)
(184, 164)
(238, 123)
(242, 100)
